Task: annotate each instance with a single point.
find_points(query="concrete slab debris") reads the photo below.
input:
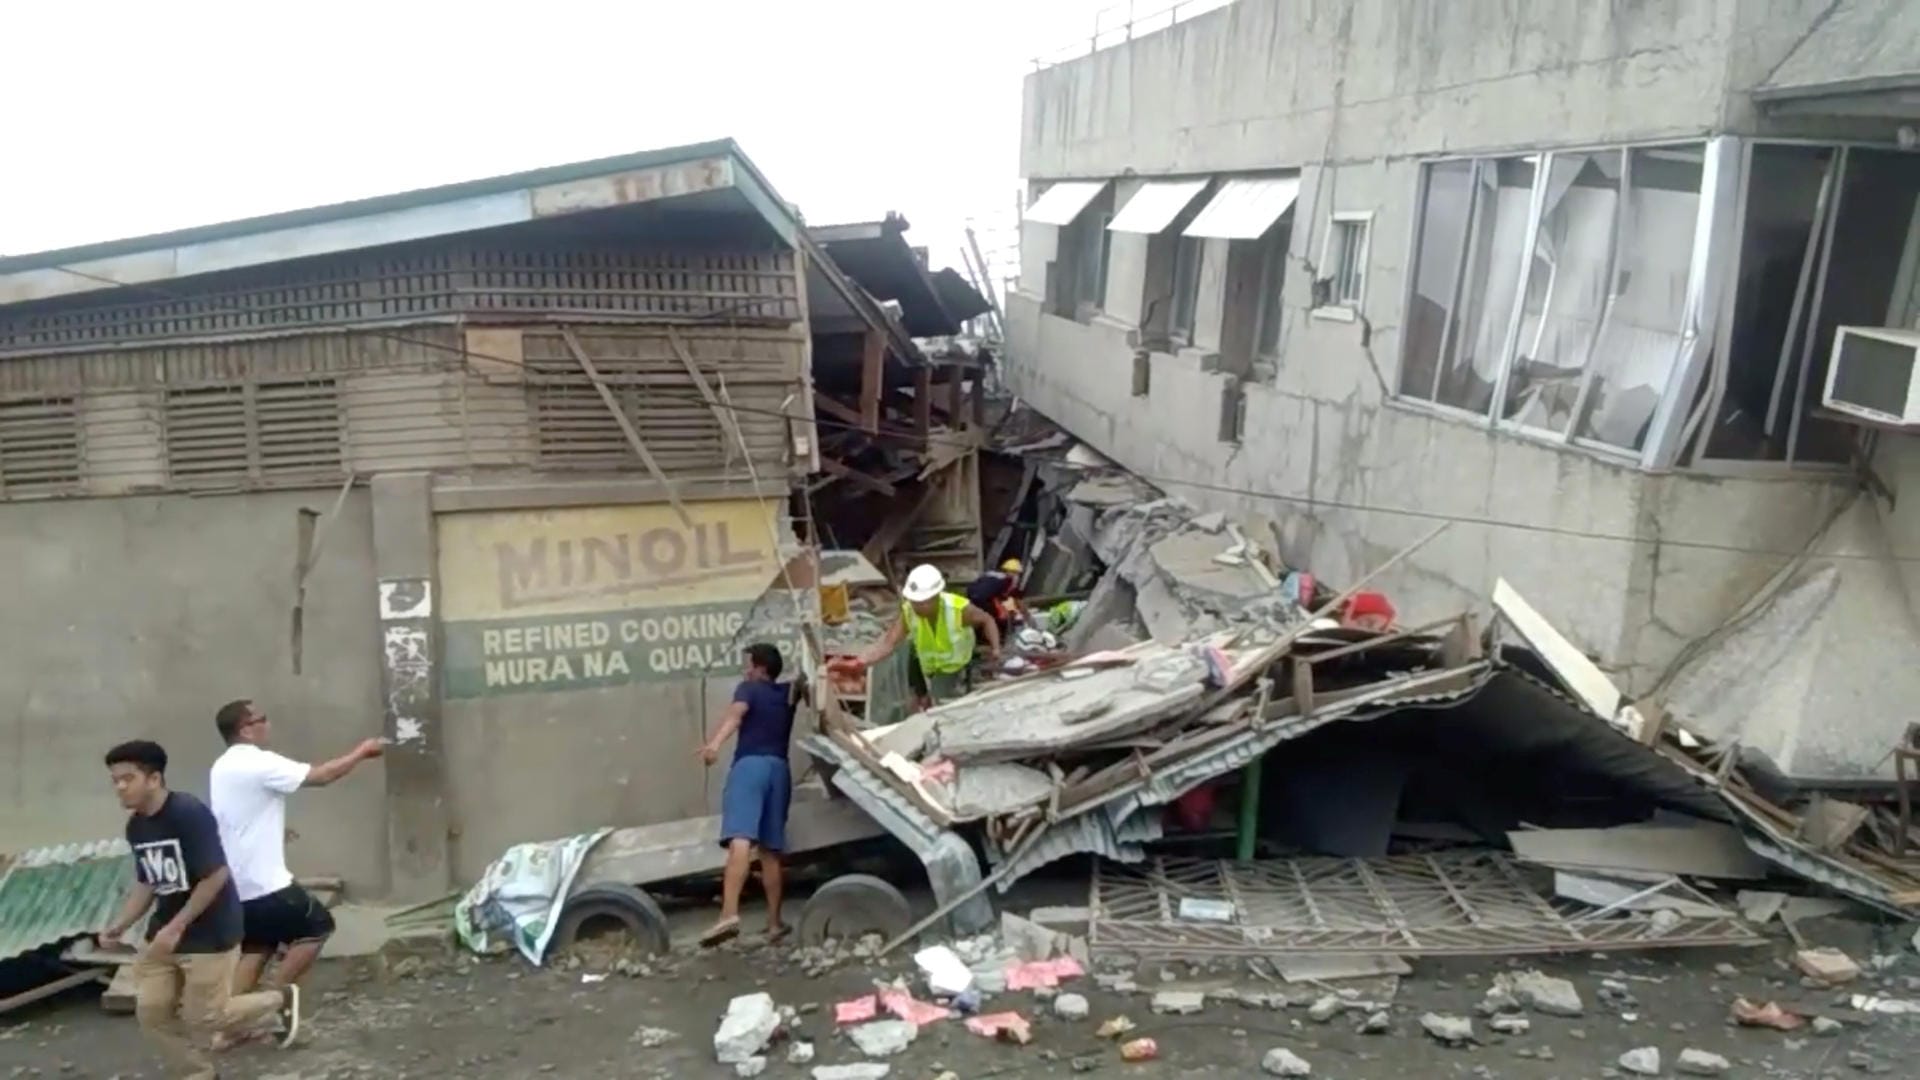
(1178, 1002)
(986, 789)
(1452, 1030)
(1509, 1025)
(1544, 993)
(1028, 719)
(1071, 1007)
(1694, 1062)
(1697, 849)
(863, 1071)
(883, 1038)
(749, 1023)
(1325, 1008)
(1830, 966)
(1281, 1061)
(1759, 906)
(1331, 967)
(1641, 1061)
(751, 1067)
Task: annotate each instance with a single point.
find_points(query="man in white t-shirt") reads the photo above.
(248, 791)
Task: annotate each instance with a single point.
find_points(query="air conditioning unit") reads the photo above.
(1872, 374)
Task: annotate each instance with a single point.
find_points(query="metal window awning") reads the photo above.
(1245, 209)
(1155, 205)
(1062, 202)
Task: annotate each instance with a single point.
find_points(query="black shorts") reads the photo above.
(288, 917)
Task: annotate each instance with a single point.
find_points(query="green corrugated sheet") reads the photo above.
(54, 893)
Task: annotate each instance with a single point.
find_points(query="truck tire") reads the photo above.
(851, 906)
(598, 906)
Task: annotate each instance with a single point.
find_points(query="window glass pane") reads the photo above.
(1273, 273)
(1783, 195)
(1640, 339)
(1438, 248)
(1566, 291)
(1877, 196)
(1186, 286)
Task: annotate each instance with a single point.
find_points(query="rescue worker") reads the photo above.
(997, 593)
(944, 628)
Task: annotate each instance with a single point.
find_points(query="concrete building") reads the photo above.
(496, 470)
(1567, 274)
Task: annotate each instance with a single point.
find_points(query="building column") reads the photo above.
(418, 867)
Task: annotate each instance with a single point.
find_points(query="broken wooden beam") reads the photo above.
(626, 423)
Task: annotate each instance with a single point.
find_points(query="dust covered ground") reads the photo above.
(445, 1014)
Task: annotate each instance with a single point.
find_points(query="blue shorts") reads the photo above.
(753, 805)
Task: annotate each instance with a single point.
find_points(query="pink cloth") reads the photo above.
(992, 1024)
(853, 1012)
(1038, 973)
(940, 771)
(918, 1013)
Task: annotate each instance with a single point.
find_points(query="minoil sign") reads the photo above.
(567, 599)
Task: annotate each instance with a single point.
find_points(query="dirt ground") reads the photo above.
(445, 1014)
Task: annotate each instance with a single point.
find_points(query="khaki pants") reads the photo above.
(183, 999)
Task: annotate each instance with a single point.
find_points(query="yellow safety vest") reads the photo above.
(944, 643)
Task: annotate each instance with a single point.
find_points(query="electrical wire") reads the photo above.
(1309, 502)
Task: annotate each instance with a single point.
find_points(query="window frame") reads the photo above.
(1338, 309)
(1183, 336)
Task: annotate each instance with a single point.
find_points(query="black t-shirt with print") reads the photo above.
(174, 850)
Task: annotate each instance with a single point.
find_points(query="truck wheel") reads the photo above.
(600, 909)
(852, 906)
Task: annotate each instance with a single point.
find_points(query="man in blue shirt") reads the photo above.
(753, 805)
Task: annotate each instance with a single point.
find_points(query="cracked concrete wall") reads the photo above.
(1630, 566)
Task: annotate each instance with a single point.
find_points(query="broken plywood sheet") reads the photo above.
(1701, 849)
(1581, 675)
(1054, 712)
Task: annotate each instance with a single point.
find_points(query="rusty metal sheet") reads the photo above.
(53, 893)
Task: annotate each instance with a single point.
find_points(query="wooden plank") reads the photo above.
(873, 355)
(847, 472)
(626, 425)
(956, 389)
(59, 985)
(838, 411)
(922, 403)
(1581, 675)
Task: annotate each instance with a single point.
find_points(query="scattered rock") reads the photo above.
(864, 1071)
(1086, 1063)
(1510, 1025)
(1452, 1030)
(1830, 966)
(1070, 1007)
(1725, 970)
(800, 1053)
(883, 1038)
(1114, 1028)
(1701, 1063)
(1179, 1002)
(1827, 1025)
(753, 1066)
(1643, 1061)
(1860, 1059)
(1281, 1061)
(1544, 993)
(1499, 999)
(1376, 1023)
(1326, 1008)
(749, 1023)
(650, 1037)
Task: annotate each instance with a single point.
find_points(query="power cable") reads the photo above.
(1309, 502)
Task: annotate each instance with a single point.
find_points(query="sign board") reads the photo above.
(575, 598)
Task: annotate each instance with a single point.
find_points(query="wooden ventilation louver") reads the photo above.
(39, 446)
(273, 431)
(575, 430)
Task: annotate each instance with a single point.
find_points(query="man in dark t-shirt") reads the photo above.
(183, 977)
(753, 805)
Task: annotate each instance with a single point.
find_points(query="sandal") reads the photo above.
(721, 932)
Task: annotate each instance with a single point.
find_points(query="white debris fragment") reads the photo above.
(1179, 1002)
(1377, 1023)
(1281, 1061)
(1326, 1008)
(1452, 1030)
(651, 1037)
(883, 1038)
(1544, 993)
(1701, 1063)
(863, 1071)
(1071, 1007)
(1642, 1061)
(749, 1023)
(800, 1053)
(751, 1067)
(946, 973)
(1885, 1006)
(1510, 1025)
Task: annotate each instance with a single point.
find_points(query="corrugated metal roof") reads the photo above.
(1155, 205)
(1062, 202)
(1246, 208)
(1093, 833)
(53, 893)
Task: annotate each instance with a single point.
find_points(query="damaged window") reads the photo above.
(1828, 238)
(1188, 253)
(1346, 261)
(1273, 276)
(1557, 283)
(1081, 266)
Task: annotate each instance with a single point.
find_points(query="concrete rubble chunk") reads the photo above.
(1510, 1025)
(1179, 1002)
(1830, 966)
(749, 1023)
(1545, 993)
(1326, 1008)
(1028, 939)
(1376, 1023)
(800, 1053)
(651, 1037)
(883, 1038)
(863, 1071)
(1701, 1063)
(1281, 1061)
(1452, 1030)
(1499, 999)
(751, 1067)
(1826, 1026)
(1641, 1061)
(1071, 1007)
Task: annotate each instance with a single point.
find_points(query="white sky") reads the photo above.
(140, 116)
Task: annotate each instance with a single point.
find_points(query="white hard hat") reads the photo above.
(924, 583)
